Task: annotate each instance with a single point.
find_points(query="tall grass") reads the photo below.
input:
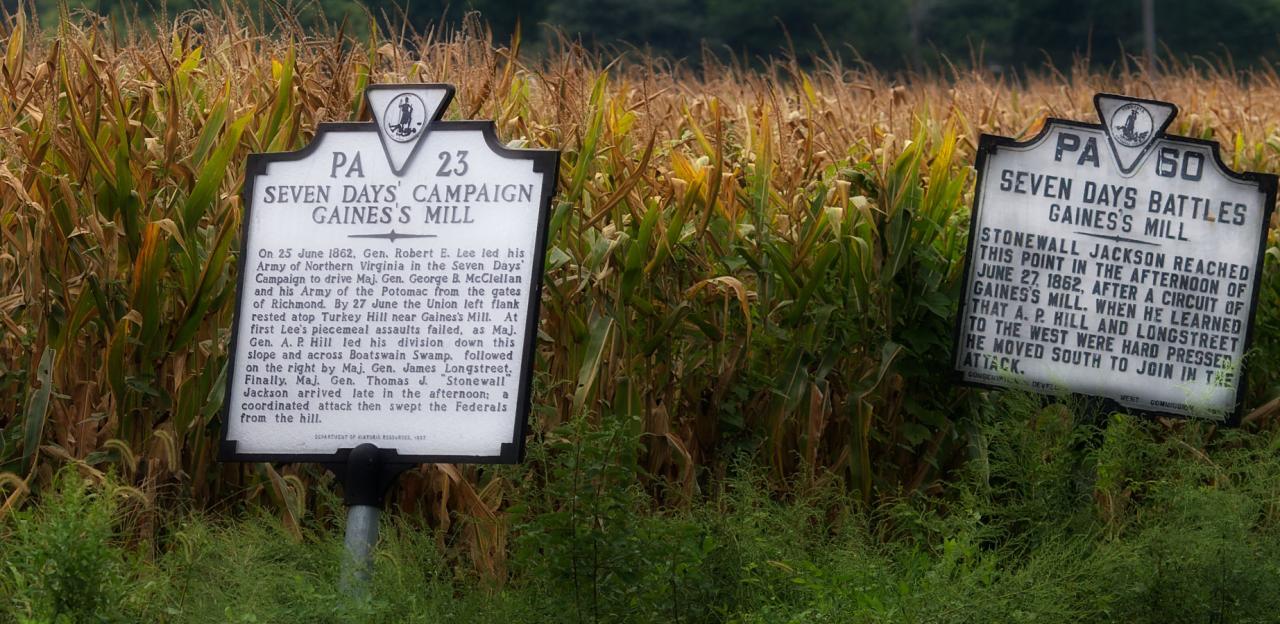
(1194, 540)
(761, 260)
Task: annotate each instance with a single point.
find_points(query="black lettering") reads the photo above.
(1067, 142)
(1090, 153)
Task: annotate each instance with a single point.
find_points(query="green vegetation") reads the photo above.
(742, 406)
(892, 34)
(1058, 521)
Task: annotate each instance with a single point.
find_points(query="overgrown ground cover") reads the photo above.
(742, 404)
(1059, 520)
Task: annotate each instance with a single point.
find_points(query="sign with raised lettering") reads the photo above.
(1116, 261)
(390, 275)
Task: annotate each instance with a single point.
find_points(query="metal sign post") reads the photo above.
(361, 537)
(365, 478)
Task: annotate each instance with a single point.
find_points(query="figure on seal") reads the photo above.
(1127, 130)
(404, 127)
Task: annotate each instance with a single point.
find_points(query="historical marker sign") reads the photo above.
(389, 285)
(1116, 261)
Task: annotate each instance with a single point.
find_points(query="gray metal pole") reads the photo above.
(365, 478)
(357, 564)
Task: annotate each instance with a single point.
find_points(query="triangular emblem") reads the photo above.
(1132, 126)
(403, 113)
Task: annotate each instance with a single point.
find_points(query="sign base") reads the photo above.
(366, 476)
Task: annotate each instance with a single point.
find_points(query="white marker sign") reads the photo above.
(1114, 261)
(389, 286)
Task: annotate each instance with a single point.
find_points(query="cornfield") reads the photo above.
(761, 259)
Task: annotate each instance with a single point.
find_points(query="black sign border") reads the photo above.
(1267, 183)
(545, 161)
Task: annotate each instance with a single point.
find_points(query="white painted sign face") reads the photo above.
(1114, 261)
(389, 284)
